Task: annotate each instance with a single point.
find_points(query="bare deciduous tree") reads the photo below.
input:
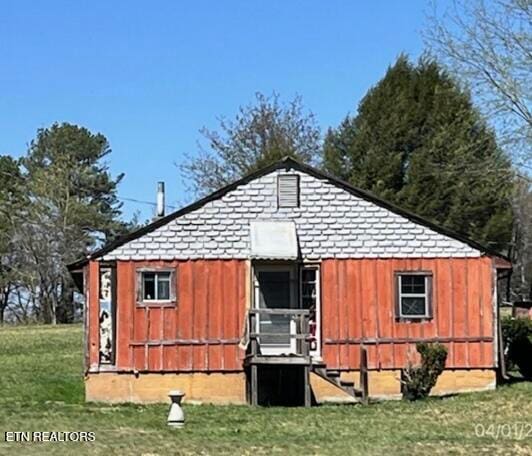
(521, 288)
(488, 45)
(260, 134)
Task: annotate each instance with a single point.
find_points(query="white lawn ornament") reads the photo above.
(176, 416)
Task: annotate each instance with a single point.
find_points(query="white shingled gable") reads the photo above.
(330, 222)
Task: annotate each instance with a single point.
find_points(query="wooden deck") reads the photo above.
(300, 358)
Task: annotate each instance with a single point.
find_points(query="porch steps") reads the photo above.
(333, 377)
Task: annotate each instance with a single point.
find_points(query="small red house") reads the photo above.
(266, 290)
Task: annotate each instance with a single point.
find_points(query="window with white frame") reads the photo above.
(155, 286)
(414, 295)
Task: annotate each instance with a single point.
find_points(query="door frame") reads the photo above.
(317, 266)
(279, 349)
(296, 273)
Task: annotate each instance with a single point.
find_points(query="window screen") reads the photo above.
(275, 293)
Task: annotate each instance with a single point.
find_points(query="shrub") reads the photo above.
(517, 340)
(417, 381)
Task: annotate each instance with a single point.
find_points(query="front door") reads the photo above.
(275, 288)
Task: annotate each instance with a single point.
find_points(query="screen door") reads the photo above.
(275, 290)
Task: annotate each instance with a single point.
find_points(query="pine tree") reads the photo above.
(418, 141)
(73, 207)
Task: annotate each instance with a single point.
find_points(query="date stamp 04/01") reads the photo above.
(514, 431)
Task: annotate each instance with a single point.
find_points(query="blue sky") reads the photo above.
(149, 75)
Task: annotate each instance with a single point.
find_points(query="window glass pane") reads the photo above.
(406, 284)
(148, 285)
(156, 286)
(412, 306)
(418, 283)
(165, 275)
(309, 275)
(274, 289)
(163, 287)
(413, 284)
(308, 290)
(308, 296)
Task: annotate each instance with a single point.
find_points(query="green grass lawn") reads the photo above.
(41, 389)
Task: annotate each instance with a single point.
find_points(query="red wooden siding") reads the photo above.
(200, 333)
(358, 305)
(203, 330)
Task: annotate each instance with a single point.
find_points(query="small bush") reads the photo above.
(417, 381)
(517, 339)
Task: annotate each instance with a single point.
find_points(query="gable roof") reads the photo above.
(285, 163)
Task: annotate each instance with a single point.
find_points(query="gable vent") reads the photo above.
(288, 190)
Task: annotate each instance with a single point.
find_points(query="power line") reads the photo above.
(150, 203)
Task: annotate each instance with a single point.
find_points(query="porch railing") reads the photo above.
(298, 334)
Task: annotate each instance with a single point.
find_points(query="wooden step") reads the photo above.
(278, 360)
(349, 390)
(332, 373)
(333, 377)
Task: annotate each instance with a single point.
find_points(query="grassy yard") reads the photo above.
(41, 389)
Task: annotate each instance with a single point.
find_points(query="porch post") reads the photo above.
(254, 385)
(306, 383)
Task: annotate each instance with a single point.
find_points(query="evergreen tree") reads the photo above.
(73, 206)
(418, 141)
(69, 176)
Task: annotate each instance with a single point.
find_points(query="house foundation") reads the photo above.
(386, 384)
(230, 388)
(214, 388)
